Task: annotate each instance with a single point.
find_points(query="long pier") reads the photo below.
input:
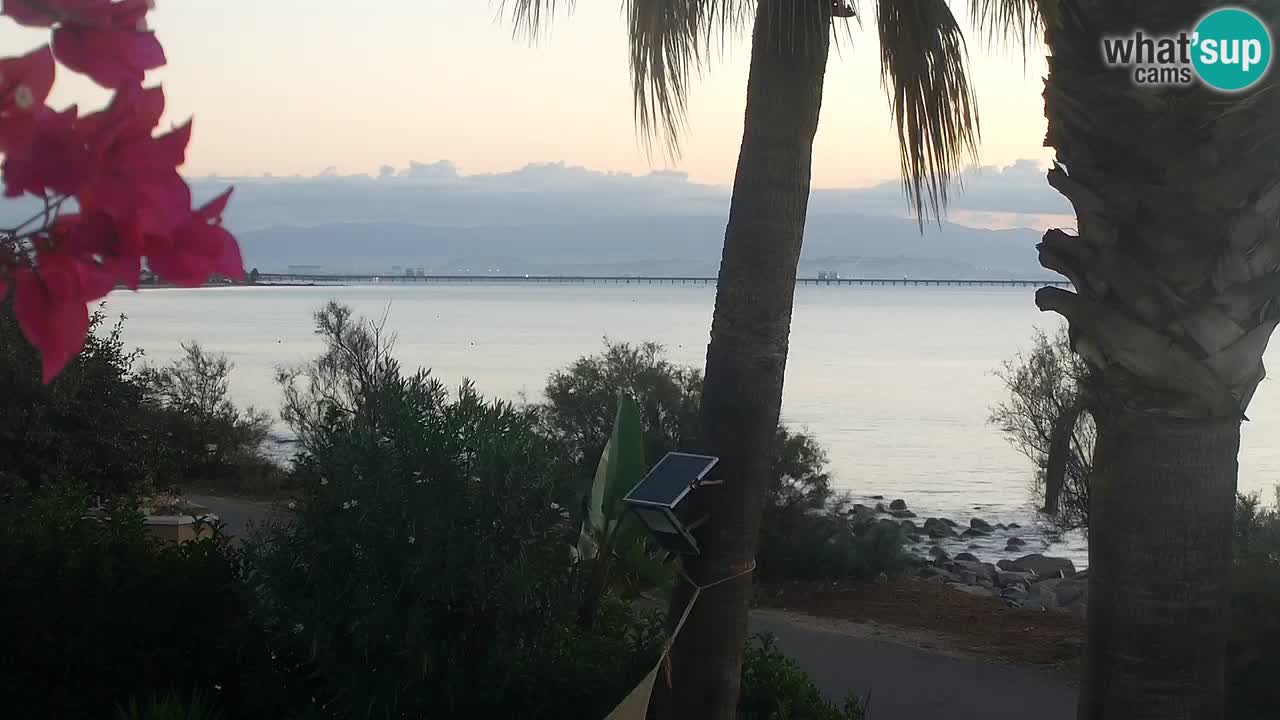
(304, 279)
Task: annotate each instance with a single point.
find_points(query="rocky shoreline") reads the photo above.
(1034, 581)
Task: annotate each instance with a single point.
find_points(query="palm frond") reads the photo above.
(924, 70)
(529, 18)
(671, 40)
(1017, 22)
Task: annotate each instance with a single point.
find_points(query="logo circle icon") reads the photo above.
(1231, 49)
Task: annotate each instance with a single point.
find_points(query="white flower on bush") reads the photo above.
(297, 628)
(412, 539)
(324, 481)
(291, 505)
(346, 504)
(555, 506)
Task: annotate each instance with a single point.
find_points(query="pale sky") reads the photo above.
(295, 86)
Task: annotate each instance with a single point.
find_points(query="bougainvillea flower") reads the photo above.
(135, 180)
(44, 153)
(198, 249)
(110, 44)
(47, 303)
(25, 81)
(103, 259)
(104, 39)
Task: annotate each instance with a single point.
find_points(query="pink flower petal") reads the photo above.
(112, 57)
(25, 81)
(51, 156)
(54, 322)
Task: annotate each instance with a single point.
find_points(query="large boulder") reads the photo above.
(979, 569)
(1006, 564)
(929, 572)
(973, 590)
(909, 526)
(975, 533)
(1059, 594)
(937, 528)
(938, 554)
(1014, 543)
(1045, 566)
(970, 557)
(950, 522)
(980, 524)
(880, 508)
(1012, 578)
(898, 505)
(902, 513)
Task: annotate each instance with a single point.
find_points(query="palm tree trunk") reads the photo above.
(1159, 560)
(1176, 272)
(746, 359)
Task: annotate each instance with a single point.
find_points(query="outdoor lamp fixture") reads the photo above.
(842, 9)
(660, 499)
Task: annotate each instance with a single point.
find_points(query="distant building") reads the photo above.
(828, 275)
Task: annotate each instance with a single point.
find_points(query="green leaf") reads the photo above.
(626, 457)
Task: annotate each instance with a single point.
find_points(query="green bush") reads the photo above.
(775, 688)
(1253, 693)
(801, 544)
(94, 613)
(802, 535)
(93, 425)
(171, 706)
(220, 445)
(427, 571)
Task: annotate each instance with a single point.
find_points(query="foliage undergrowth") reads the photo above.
(775, 688)
(803, 535)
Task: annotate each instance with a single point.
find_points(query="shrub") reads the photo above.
(827, 545)
(220, 444)
(1043, 386)
(92, 425)
(1254, 661)
(775, 688)
(427, 570)
(170, 707)
(94, 613)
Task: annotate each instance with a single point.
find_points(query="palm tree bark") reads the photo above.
(1176, 272)
(746, 359)
(1159, 562)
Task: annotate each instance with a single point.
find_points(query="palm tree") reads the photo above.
(1176, 268)
(923, 62)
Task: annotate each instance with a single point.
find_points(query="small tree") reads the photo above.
(206, 425)
(1046, 388)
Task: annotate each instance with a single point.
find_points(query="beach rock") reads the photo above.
(1000, 526)
(970, 557)
(937, 528)
(880, 508)
(931, 572)
(975, 533)
(967, 577)
(898, 505)
(1014, 543)
(950, 522)
(1015, 594)
(1006, 564)
(888, 524)
(980, 524)
(916, 538)
(1059, 594)
(1045, 566)
(902, 514)
(1013, 526)
(908, 526)
(1013, 578)
(938, 553)
(877, 497)
(979, 569)
(859, 511)
(973, 590)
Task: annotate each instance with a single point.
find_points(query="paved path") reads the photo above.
(904, 683)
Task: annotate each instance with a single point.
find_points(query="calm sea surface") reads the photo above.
(895, 382)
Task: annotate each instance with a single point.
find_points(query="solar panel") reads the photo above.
(669, 480)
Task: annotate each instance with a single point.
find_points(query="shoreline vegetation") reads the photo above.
(389, 464)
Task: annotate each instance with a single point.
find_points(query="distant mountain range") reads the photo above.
(557, 219)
